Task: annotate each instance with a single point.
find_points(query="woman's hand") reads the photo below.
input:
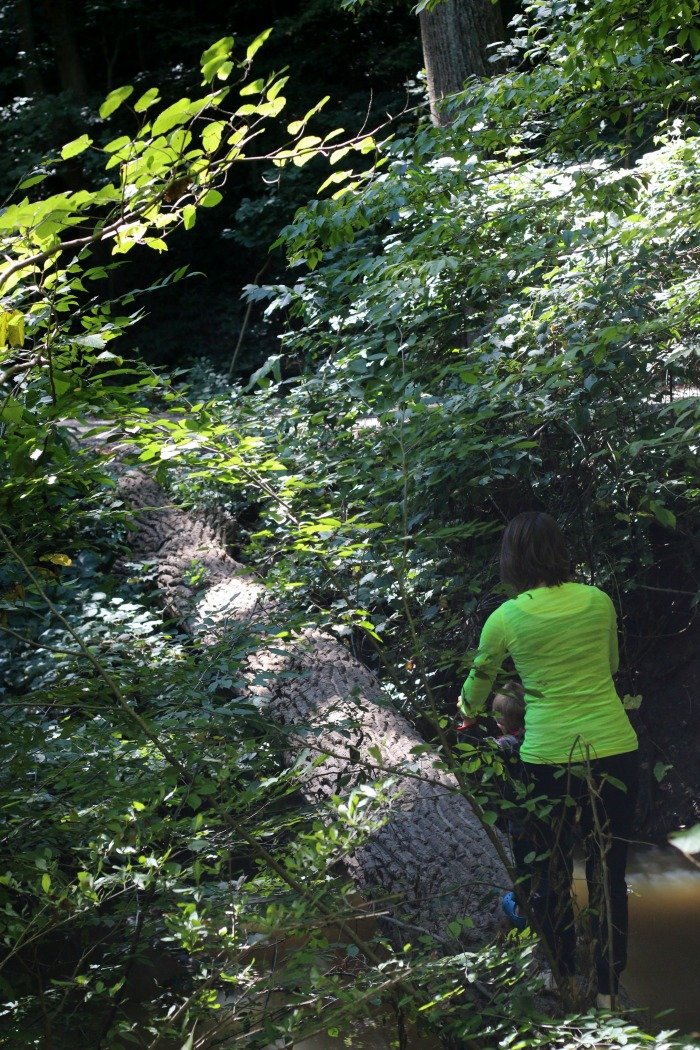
(466, 723)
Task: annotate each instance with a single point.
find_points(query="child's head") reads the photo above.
(508, 707)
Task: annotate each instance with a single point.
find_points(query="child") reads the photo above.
(508, 710)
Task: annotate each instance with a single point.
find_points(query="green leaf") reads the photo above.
(210, 199)
(254, 88)
(338, 154)
(189, 216)
(11, 411)
(79, 145)
(366, 145)
(216, 57)
(33, 180)
(211, 136)
(662, 514)
(334, 178)
(46, 882)
(296, 125)
(253, 48)
(57, 559)
(305, 150)
(180, 140)
(274, 90)
(147, 99)
(11, 328)
(117, 144)
(114, 100)
(178, 113)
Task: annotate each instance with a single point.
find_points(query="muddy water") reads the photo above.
(663, 971)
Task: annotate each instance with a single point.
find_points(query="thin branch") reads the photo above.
(38, 645)
(246, 318)
(16, 370)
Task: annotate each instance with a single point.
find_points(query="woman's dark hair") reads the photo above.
(533, 552)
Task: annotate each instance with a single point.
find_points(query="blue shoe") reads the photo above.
(510, 907)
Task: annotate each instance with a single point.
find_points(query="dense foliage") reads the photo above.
(503, 317)
(499, 315)
(61, 59)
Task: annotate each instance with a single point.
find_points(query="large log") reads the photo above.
(431, 856)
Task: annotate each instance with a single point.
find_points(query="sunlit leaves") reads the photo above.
(57, 559)
(211, 136)
(274, 90)
(253, 48)
(255, 87)
(210, 199)
(174, 161)
(502, 326)
(173, 115)
(33, 180)
(215, 62)
(189, 216)
(117, 144)
(114, 100)
(298, 125)
(148, 99)
(11, 328)
(304, 149)
(79, 145)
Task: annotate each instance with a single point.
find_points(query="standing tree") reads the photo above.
(456, 35)
(60, 18)
(32, 80)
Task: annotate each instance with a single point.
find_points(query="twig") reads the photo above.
(246, 318)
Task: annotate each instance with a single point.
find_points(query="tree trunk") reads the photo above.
(432, 857)
(31, 76)
(68, 60)
(455, 39)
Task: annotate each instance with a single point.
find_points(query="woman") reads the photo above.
(579, 752)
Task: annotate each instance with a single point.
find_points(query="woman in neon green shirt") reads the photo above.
(579, 750)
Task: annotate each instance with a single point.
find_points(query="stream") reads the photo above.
(663, 972)
(664, 945)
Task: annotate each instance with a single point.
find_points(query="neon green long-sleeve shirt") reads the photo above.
(563, 642)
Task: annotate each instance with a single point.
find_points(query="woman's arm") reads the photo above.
(487, 662)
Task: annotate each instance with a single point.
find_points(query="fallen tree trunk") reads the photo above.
(431, 857)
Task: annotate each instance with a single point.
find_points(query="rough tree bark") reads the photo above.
(455, 38)
(432, 856)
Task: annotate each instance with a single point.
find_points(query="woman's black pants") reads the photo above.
(598, 798)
